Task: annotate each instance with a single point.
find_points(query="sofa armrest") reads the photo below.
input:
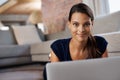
(14, 55)
(111, 54)
(6, 62)
(41, 51)
(41, 48)
(113, 39)
(8, 51)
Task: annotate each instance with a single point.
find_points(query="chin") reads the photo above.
(81, 39)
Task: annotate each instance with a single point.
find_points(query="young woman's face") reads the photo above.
(80, 26)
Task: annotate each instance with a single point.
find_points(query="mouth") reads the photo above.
(81, 35)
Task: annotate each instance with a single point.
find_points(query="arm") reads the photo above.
(53, 57)
(105, 54)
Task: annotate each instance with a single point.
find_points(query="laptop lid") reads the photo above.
(92, 69)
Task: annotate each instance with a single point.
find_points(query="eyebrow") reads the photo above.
(87, 22)
(78, 22)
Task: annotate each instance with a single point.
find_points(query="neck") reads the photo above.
(77, 45)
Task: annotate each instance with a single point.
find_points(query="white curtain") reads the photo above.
(99, 7)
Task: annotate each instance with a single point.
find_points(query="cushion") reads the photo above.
(26, 34)
(113, 40)
(14, 61)
(10, 51)
(7, 36)
(41, 58)
(108, 23)
(42, 48)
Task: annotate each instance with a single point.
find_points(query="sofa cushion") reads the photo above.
(41, 51)
(7, 36)
(42, 48)
(40, 57)
(111, 54)
(107, 23)
(9, 51)
(113, 40)
(14, 55)
(26, 34)
(14, 61)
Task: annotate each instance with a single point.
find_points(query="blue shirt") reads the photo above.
(61, 47)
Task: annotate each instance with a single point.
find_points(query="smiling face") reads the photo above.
(80, 26)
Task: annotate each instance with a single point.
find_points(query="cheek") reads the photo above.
(88, 29)
(73, 30)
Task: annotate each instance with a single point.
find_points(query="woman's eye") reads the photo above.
(87, 24)
(76, 24)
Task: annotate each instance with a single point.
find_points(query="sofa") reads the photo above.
(24, 49)
(16, 59)
(109, 27)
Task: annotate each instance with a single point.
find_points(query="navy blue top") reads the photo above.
(61, 47)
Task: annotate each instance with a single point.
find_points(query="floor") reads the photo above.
(29, 72)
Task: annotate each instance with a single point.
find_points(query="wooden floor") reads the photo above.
(34, 72)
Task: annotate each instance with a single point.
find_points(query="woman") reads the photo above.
(82, 45)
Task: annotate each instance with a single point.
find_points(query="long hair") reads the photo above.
(91, 45)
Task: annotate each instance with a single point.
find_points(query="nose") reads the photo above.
(81, 28)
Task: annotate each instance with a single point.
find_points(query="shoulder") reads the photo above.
(60, 44)
(100, 39)
(60, 47)
(101, 43)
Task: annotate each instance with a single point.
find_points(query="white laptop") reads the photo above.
(92, 69)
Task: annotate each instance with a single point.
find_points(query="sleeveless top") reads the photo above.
(61, 47)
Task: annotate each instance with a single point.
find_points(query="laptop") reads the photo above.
(91, 69)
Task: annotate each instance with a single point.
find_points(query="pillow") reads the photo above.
(7, 36)
(14, 55)
(11, 51)
(26, 35)
(113, 41)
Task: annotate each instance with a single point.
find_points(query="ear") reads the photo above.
(92, 23)
(68, 24)
(92, 27)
